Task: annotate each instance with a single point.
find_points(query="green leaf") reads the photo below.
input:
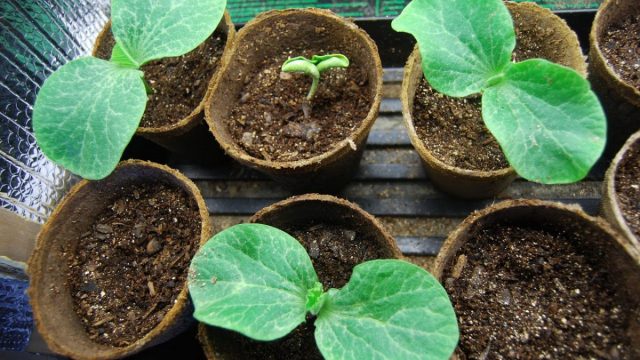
(254, 279)
(120, 57)
(300, 64)
(390, 309)
(154, 29)
(463, 43)
(547, 120)
(86, 113)
(330, 61)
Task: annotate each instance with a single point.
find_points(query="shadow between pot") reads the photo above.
(311, 212)
(57, 242)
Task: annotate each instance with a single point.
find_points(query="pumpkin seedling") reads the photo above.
(314, 67)
(545, 117)
(259, 281)
(88, 110)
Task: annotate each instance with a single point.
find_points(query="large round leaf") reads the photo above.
(547, 120)
(389, 309)
(463, 43)
(253, 279)
(154, 29)
(86, 113)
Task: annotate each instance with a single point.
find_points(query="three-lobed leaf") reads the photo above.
(463, 43)
(150, 29)
(86, 113)
(389, 309)
(254, 279)
(548, 122)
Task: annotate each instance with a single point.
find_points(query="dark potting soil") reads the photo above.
(132, 263)
(627, 179)
(269, 121)
(524, 293)
(621, 48)
(334, 251)
(179, 83)
(452, 128)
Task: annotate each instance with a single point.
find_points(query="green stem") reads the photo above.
(314, 87)
(147, 87)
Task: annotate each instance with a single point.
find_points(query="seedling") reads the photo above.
(545, 117)
(315, 67)
(88, 110)
(259, 281)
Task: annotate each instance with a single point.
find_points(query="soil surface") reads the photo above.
(179, 83)
(452, 129)
(334, 251)
(274, 121)
(132, 263)
(524, 293)
(627, 180)
(621, 48)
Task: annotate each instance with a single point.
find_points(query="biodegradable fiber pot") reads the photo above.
(306, 209)
(612, 207)
(556, 41)
(268, 36)
(188, 135)
(619, 98)
(49, 290)
(592, 241)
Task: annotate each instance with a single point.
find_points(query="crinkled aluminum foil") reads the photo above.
(36, 37)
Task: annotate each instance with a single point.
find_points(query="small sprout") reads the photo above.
(314, 67)
(266, 286)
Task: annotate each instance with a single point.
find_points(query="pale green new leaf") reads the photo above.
(390, 309)
(86, 113)
(547, 120)
(154, 29)
(463, 43)
(254, 279)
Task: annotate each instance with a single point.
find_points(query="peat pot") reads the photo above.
(89, 288)
(338, 235)
(174, 118)
(261, 118)
(621, 191)
(531, 279)
(611, 72)
(470, 164)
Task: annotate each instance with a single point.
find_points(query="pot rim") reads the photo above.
(226, 26)
(629, 92)
(332, 155)
(610, 200)
(36, 266)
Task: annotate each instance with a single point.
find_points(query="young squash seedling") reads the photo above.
(314, 67)
(259, 281)
(545, 117)
(88, 110)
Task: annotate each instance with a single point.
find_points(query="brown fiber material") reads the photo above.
(563, 47)
(260, 40)
(221, 345)
(620, 100)
(50, 295)
(601, 244)
(610, 204)
(190, 132)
